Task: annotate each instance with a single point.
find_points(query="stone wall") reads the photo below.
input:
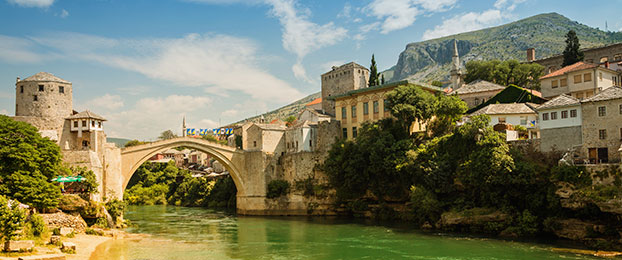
(612, 52)
(560, 139)
(612, 123)
(112, 179)
(339, 81)
(50, 102)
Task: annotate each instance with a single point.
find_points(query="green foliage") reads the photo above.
(115, 208)
(425, 205)
(577, 175)
(27, 162)
(373, 72)
(290, 120)
(90, 182)
(277, 188)
(90, 231)
(38, 226)
(572, 53)
(134, 143)
(213, 138)
(436, 83)
(505, 73)
(152, 195)
(11, 218)
(168, 134)
(409, 103)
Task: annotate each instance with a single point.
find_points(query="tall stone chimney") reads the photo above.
(531, 54)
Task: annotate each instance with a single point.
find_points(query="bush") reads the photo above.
(425, 206)
(115, 208)
(38, 225)
(11, 218)
(277, 188)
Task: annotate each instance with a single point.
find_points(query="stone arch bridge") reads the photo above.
(246, 168)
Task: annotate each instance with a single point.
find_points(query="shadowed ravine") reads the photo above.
(196, 233)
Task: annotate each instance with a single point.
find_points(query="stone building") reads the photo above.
(267, 138)
(316, 104)
(368, 104)
(339, 80)
(579, 80)
(560, 124)
(602, 126)
(600, 55)
(46, 102)
(515, 114)
(477, 92)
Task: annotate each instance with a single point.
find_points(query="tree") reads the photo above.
(572, 53)
(168, 134)
(437, 83)
(449, 109)
(290, 120)
(409, 103)
(11, 218)
(27, 163)
(134, 143)
(505, 73)
(382, 79)
(373, 72)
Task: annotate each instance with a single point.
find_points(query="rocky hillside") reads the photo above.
(288, 110)
(430, 60)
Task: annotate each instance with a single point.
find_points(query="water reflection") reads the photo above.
(194, 233)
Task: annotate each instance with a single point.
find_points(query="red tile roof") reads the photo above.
(570, 68)
(315, 101)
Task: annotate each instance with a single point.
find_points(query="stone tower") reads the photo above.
(183, 127)
(43, 95)
(44, 101)
(456, 72)
(339, 81)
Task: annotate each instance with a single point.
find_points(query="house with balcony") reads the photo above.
(506, 117)
(580, 80)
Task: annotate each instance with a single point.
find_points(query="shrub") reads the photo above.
(277, 188)
(425, 205)
(115, 208)
(11, 218)
(38, 225)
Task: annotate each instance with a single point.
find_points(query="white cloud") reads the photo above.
(32, 3)
(17, 50)
(346, 12)
(465, 22)
(150, 116)
(64, 13)
(509, 5)
(106, 102)
(399, 14)
(230, 113)
(301, 36)
(209, 61)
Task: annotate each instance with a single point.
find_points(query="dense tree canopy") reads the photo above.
(27, 163)
(572, 53)
(506, 72)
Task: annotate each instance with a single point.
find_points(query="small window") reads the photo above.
(85, 143)
(92, 123)
(343, 113)
(41, 88)
(604, 59)
(366, 108)
(61, 89)
(554, 84)
(579, 95)
(386, 105)
(35, 98)
(377, 107)
(523, 120)
(354, 133)
(602, 111)
(287, 145)
(600, 76)
(602, 134)
(553, 115)
(545, 116)
(564, 114)
(501, 120)
(573, 113)
(75, 123)
(577, 79)
(353, 111)
(254, 143)
(310, 143)
(21, 89)
(587, 77)
(296, 145)
(563, 82)
(83, 123)
(99, 124)
(344, 133)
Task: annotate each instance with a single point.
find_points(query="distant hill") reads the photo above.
(285, 111)
(120, 142)
(430, 60)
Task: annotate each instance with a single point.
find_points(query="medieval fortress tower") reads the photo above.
(46, 102)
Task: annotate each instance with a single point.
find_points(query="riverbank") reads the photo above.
(85, 246)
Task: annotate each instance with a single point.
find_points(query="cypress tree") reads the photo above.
(382, 79)
(373, 72)
(572, 53)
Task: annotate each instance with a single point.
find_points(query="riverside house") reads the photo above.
(580, 80)
(504, 117)
(602, 126)
(560, 124)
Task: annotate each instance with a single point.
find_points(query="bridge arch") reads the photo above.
(231, 158)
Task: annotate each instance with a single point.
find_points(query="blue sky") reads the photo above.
(143, 64)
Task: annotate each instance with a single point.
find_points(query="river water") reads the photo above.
(196, 233)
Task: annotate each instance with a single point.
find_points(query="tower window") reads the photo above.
(61, 89)
(40, 87)
(75, 123)
(93, 123)
(21, 89)
(83, 123)
(99, 124)
(35, 98)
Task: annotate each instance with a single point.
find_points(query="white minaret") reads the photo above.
(183, 127)
(456, 72)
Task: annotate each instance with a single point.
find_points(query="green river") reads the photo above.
(197, 233)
